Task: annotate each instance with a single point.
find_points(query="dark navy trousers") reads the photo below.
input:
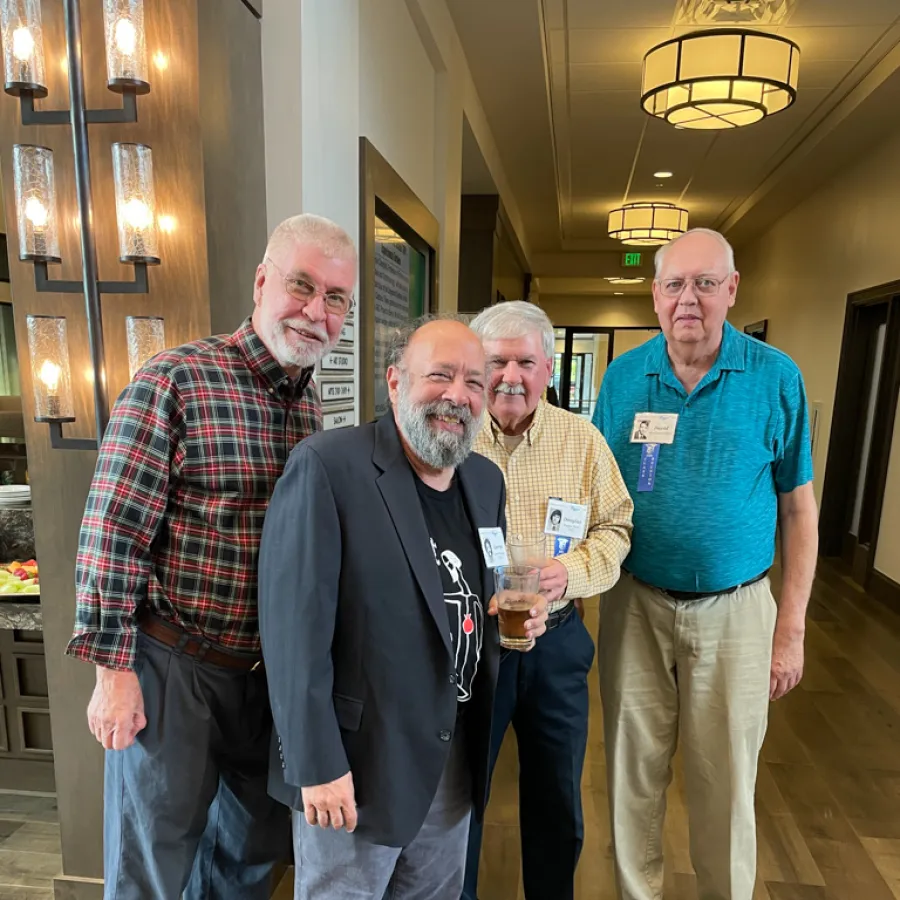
(544, 694)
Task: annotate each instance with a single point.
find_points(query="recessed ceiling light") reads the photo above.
(663, 174)
(619, 294)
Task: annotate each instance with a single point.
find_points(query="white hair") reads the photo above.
(726, 247)
(514, 319)
(318, 231)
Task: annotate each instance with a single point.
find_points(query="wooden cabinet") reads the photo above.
(26, 745)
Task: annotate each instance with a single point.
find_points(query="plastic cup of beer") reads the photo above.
(528, 549)
(516, 588)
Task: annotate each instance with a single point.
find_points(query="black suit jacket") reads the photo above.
(355, 633)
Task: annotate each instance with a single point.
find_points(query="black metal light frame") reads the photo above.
(79, 117)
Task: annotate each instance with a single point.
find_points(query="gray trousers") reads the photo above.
(186, 806)
(334, 865)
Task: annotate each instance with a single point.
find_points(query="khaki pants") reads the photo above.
(699, 669)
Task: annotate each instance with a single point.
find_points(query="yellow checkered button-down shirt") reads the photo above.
(565, 457)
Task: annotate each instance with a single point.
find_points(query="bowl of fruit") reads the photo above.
(19, 581)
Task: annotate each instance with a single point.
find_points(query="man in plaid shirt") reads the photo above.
(167, 573)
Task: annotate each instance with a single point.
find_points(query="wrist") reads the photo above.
(790, 626)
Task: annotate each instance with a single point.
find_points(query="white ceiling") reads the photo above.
(560, 83)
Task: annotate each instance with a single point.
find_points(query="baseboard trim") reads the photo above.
(71, 887)
(885, 590)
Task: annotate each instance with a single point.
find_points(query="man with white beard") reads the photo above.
(166, 581)
(375, 615)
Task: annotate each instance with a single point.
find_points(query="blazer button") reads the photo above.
(445, 735)
(452, 679)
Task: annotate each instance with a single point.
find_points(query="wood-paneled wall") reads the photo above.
(169, 121)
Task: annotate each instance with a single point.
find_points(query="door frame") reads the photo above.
(841, 472)
(565, 378)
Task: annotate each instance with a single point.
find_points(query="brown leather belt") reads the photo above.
(172, 635)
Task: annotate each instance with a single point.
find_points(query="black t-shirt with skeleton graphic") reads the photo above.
(456, 554)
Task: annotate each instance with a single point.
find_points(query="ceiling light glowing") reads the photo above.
(647, 224)
(720, 78)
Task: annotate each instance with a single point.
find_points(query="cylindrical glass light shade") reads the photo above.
(23, 47)
(126, 46)
(720, 78)
(50, 375)
(135, 203)
(647, 224)
(38, 224)
(146, 338)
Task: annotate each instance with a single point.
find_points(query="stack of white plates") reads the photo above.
(14, 496)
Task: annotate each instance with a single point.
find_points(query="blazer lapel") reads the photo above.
(481, 518)
(398, 489)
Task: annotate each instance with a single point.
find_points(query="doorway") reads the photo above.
(581, 357)
(862, 430)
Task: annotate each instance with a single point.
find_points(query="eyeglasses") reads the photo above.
(305, 291)
(704, 286)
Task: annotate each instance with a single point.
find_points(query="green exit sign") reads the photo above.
(631, 260)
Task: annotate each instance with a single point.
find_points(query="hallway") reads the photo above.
(829, 786)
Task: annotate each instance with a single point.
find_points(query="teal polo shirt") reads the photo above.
(742, 438)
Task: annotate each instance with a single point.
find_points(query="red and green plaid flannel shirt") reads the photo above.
(175, 512)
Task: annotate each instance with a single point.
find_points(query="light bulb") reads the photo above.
(36, 212)
(22, 43)
(137, 213)
(125, 36)
(49, 374)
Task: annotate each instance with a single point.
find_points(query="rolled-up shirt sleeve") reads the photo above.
(124, 512)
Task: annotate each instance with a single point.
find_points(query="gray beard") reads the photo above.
(438, 449)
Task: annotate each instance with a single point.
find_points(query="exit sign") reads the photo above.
(631, 260)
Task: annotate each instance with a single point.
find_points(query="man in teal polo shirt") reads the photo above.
(711, 433)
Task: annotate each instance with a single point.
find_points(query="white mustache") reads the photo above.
(513, 389)
(308, 329)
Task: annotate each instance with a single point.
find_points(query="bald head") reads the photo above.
(436, 382)
(711, 244)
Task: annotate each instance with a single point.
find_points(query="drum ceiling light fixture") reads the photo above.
(720, 78)
(647, 224)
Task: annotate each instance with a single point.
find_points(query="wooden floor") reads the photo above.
(29, 846)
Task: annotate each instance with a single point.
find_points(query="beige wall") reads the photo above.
(606, 312)
(798, 275)
(626, 340)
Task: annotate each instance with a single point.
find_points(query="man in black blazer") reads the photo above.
(381, 661)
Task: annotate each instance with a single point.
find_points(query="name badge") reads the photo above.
(654, 428)
(649, 458)
(493, 547)
(566, 519)
(561, 545)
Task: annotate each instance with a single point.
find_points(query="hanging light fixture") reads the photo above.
(647, 224)
(720, 78)
(38, 224)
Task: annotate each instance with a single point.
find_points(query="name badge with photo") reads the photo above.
(654, 428)
(566, 519)
(493, 547)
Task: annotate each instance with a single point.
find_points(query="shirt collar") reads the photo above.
(732, 354)
(533, 431)
(261, 362)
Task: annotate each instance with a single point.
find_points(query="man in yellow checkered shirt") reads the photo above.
(563, 488)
